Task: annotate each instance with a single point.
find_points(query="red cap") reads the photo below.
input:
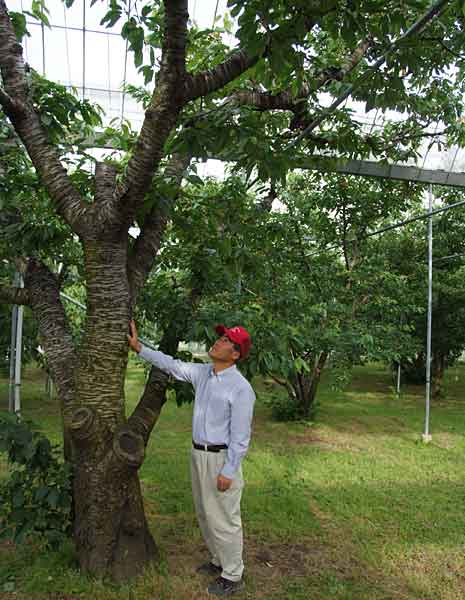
(238, 335)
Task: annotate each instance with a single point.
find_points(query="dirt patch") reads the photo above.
(266, 566)
(279, 558)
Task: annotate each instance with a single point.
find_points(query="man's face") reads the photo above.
(224, 350)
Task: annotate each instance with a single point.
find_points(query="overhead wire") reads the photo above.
(423, 216)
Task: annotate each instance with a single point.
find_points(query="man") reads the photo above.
(221, 427)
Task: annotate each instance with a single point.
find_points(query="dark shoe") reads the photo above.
(224, 587)
(209, 569)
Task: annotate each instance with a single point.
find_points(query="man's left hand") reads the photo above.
(223, 483)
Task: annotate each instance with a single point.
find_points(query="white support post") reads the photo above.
(11, 395)
(17, 314)
(19, 345)
(426, 435)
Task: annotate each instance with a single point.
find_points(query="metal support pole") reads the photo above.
(19, 345)
(426, 435)
(398, 379)
(11, 395)
(14, 401)
(84, 49)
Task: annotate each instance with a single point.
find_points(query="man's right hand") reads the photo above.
(132, 338)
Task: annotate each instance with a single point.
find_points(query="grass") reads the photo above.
(354, 506)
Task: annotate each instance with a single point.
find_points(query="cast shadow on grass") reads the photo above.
(352, 541)
(372, 541)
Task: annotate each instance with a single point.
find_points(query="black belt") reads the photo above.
(210, 448)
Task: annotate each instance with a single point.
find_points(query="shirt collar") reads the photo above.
(224, 372)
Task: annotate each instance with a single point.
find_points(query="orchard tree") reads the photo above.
(246, 103)
(331, 296)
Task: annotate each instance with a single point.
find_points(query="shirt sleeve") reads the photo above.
(241, 426)
(179, 370)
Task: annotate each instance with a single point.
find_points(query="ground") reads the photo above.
(353, 506)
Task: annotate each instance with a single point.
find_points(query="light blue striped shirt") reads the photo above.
(223, 406)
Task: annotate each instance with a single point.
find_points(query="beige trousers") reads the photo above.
(218, 513)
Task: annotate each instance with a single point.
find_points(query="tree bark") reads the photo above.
(44, 298)
(438, 367)
(110, 530)
(305, 385)
(145, 250)
(162, 113)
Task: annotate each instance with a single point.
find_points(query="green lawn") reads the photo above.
(352, 507)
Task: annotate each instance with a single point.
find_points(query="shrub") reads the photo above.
(36, 498)
(285, 408)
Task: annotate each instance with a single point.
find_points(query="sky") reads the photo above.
(96, 64)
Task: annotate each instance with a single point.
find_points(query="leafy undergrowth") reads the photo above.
(354, 506)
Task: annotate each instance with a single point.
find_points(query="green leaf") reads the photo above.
(18, 20)
(147, 72)
(18, 499)
(9, 586)
(112, 16)
(53, 497)
(41, 493)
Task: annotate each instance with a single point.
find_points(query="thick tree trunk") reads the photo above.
(414, 369)
(110, 531)
(438, 367)
(414, 372)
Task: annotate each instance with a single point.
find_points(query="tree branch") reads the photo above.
(147, 245)
(445, 46)
(18, 107)
(162, 113)
(432, 13)
(287, 100)
(146, 414)
(9, 104)
(55, 336)
(212, 80)
(284, 384)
